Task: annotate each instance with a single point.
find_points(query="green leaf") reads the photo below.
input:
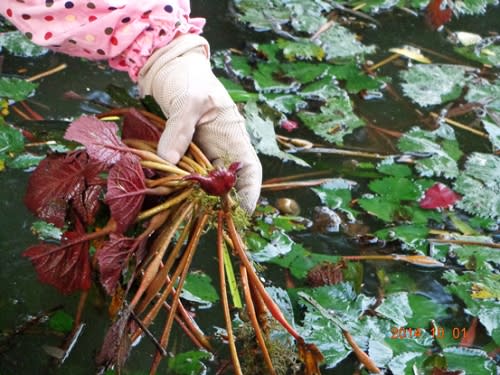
(425, 310)
(389, 167)
(265, 77)
(285, 103)
(440, 144)
(414, 236)
(46, 231)
(356, 80)
(302, 50)
(433, 84)
(16, 89)
(471, 361)
(396, 188)
(489, 55)
(305, 72)
(18, 45)
(479, 184)
(237, 92)
(336, 119)
(263, 137)
(11, 141)
(340, 44)
(61, 321)
(25, 161)
(189, 363)
(199, 288)
(336, 194)
(396, 307)
(379, 207)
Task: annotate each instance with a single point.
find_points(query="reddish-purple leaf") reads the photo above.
(87, 205)
(137, 126)
(116, 345)
(57, 181)
(65, 266)
(100, 138)
(438, 196)
(112, 258)
(126, 189)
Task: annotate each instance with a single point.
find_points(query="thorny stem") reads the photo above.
(223, 292)
(253, 319)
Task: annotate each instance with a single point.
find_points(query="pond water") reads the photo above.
(22, 297)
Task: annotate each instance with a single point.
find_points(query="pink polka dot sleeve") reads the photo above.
(126, 32)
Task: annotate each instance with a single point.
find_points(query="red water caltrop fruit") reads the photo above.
(289, 125)
(219, 181)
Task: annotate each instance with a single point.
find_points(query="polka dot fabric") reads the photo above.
(126, 32)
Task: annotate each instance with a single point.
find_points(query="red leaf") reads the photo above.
(100, 138)
(438, 13)
(112, 258)
(126, 189)
(137, 126)
(65, 266)
(439, 196)
(57, 181)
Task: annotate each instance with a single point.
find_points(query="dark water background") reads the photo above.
(21, 296)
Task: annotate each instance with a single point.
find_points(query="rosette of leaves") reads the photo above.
(145, 217)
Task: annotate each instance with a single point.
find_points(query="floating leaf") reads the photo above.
(199, 288)
(303, 50)
(469, 360)
(411, 54)
(479, 184)
(18, 45)
(189, 363)
(488, 56)
(66, 266)
(11, 140)
(336, 119)
(438, 13)
(100, 138)
(396, 188)
(340, 44)
(433, 84)
(16, 89)
(442, 149)
(263, 136)
(396, 308)
(125, 192)
(61, 321)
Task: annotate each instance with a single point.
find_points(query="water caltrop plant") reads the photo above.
(136, 221)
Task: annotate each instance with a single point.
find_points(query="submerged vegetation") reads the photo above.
(420, 206)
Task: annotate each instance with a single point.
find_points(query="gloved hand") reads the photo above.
(199, 108)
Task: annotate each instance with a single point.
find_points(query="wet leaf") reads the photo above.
(46, 231)
(411, 54)
(479, 185)
(125, 191)
(263, 136)
(396, 188)
(469, 360)
(413, 236)
(58, 182)
(100, 138)
(112, 259)
(24, 161)
(18, 45)
(433, 84)
(189, 363)
(336, 119)
(337, 195)
(340, 44)
(11, 140)
(396, 307)
(137, 126)
(61, 321)
(66, 266)
(356, 80)
(489, 55)
(16, 89)
(199, 288)
(441, 146)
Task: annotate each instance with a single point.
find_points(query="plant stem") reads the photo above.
(278, 186)
(47, 73)
(253, 319)
(385, 61)
(165, 205)
(224, 299)
(460, 125)
(464, 242)
(163, 167)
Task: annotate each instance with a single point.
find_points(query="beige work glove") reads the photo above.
(199, 108)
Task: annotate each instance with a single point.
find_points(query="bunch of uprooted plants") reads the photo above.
(133, 223)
